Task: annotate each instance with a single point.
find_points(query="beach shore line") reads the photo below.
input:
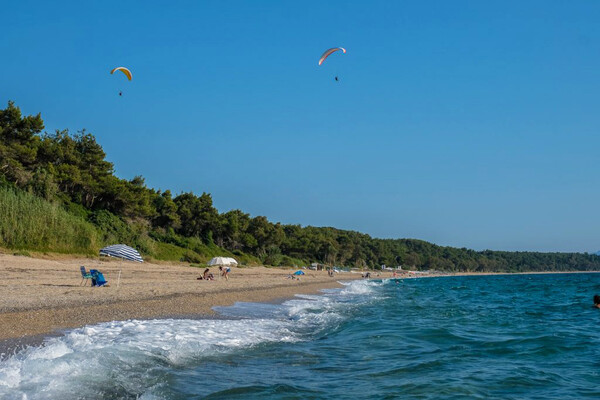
(43, 296)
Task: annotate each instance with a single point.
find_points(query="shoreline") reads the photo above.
(50, 320)
(19, 332)
(44, 297)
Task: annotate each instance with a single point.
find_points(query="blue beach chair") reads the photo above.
(84, 276)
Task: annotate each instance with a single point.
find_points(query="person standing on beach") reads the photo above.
(225, 272)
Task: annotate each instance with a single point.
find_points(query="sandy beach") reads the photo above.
(42, 296)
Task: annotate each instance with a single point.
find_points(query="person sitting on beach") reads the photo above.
(207, 276)
(597, 301)
(98, 278)
(224, 272)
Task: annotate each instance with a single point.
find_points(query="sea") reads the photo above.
(471, 337)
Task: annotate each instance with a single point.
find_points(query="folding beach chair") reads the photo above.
(84, 275)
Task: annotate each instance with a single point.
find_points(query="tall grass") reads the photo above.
(30, 222)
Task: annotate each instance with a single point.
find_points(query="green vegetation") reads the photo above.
(29, 222)
(58, 193)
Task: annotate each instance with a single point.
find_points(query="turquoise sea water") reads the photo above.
(503, 337)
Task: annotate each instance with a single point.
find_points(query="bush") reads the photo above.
(112, 228)
(168, 252)
(191, 257)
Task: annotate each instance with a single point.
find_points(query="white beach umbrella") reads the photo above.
(222, 261)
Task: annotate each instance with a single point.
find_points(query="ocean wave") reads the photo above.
(125, 358)
(360, 287)
(92, 357)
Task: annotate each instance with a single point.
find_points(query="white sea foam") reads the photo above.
(127, 356)
(360, 287)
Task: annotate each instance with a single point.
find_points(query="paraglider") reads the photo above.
(124, 71)
(330, 52)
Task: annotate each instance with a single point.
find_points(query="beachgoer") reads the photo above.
(224, 272)
(207, 275)
(98, 278)
(597, 301)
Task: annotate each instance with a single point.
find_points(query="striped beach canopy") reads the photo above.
(121, 251)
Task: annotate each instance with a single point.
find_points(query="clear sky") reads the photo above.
(465, 123)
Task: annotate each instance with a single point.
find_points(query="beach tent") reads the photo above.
(121, 251)
(299, 272)
(225, 261)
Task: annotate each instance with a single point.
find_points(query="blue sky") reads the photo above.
(464, 123)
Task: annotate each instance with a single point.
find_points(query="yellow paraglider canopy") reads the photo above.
(123, 70)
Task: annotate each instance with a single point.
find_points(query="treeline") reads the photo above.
(71, 172)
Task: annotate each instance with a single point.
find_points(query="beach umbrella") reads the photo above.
(222, 261)
(299, 272)
(121, 251)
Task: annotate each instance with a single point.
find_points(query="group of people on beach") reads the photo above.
(208, 276)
